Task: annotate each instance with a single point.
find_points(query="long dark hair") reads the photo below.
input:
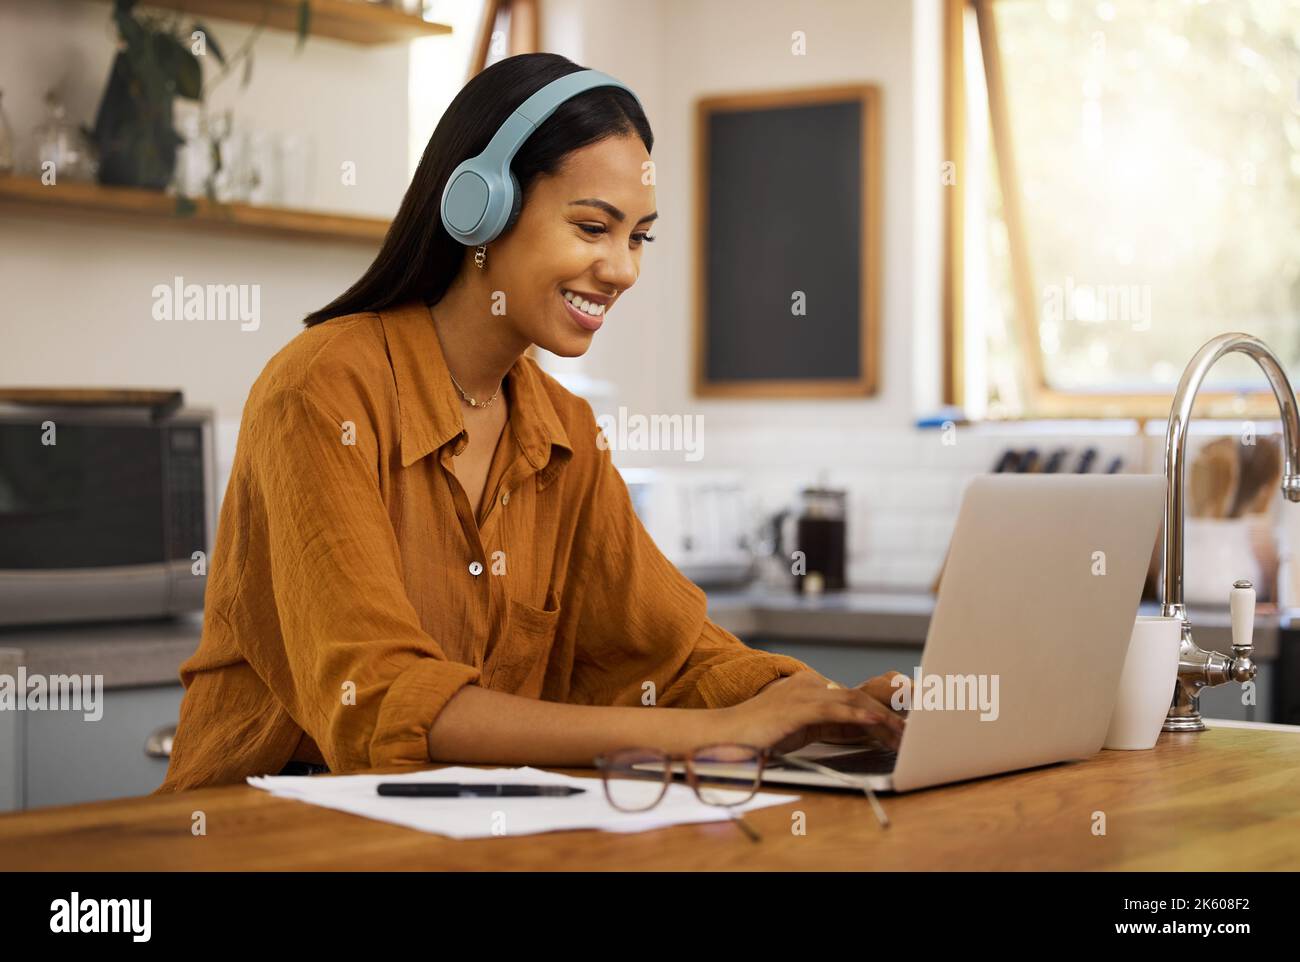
(419, 259)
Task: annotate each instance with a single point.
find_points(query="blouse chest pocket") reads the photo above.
(517, 664)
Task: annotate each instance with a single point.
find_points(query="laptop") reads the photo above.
(1027, 640)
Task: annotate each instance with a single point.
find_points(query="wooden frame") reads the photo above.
(1042, 400)
(952, 376)
(524, 21)
(870, 267)
(524, 25)
(484, 44)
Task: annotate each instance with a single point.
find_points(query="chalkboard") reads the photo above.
(788, 240)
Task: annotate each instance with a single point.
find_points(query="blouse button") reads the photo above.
(505, 498)
(475, 568)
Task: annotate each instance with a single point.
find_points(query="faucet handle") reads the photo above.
(1241, 604)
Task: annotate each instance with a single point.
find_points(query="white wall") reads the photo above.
(77, 293)
(677, 51)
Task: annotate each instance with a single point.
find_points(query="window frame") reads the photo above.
(1041, 399)
(520, 20)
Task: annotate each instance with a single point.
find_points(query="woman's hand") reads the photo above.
(791, 712)
(884, 689)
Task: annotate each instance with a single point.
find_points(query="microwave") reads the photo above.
(106, 513)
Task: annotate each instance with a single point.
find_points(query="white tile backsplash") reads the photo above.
(904, 487)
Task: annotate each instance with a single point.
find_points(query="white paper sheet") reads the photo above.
(499, 817)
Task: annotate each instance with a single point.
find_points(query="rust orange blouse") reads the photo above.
(352, 591)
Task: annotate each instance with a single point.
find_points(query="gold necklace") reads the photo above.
(468, 400)
(473, 403)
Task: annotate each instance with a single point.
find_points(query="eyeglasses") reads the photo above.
(637, 779)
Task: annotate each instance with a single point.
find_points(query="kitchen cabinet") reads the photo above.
(69, 759)
(61, 757)
(11, 754)
(847, 664)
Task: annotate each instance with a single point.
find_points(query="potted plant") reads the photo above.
(157, 61)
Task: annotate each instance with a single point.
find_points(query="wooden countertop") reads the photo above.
(1218, 800)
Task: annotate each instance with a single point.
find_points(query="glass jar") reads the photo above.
(60, 146)
(6, 140)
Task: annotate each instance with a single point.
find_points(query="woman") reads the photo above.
(424, 554)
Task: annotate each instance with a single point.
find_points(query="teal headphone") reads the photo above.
(482, 197)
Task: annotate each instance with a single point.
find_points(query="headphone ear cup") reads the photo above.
(516, 202)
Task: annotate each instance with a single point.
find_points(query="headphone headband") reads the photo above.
(482, 197)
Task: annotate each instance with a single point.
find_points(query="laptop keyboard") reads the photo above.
(871, 761)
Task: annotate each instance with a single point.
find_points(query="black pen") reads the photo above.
(460, 790)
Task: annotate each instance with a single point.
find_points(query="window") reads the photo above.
(482, 32)
(1126, 185)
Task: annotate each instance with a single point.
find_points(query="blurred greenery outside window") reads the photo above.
(1154, 146)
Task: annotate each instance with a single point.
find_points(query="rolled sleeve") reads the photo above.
(414, 700)
(354, 666)
(723, 671)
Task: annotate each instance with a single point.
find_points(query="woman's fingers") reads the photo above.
(886, 726)
(893, 688)
(793, 711)
(856, 710)
(854, 713)
(861, 705)
(866, 701)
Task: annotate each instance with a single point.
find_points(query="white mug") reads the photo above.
(1146, 686)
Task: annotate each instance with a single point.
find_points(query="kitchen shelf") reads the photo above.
(349, 20)
(148, 207)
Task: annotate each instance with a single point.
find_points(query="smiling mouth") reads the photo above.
(581, 310)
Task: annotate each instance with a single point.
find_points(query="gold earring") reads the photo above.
(480, 256)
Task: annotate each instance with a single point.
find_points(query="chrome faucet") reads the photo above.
(1198, 669)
